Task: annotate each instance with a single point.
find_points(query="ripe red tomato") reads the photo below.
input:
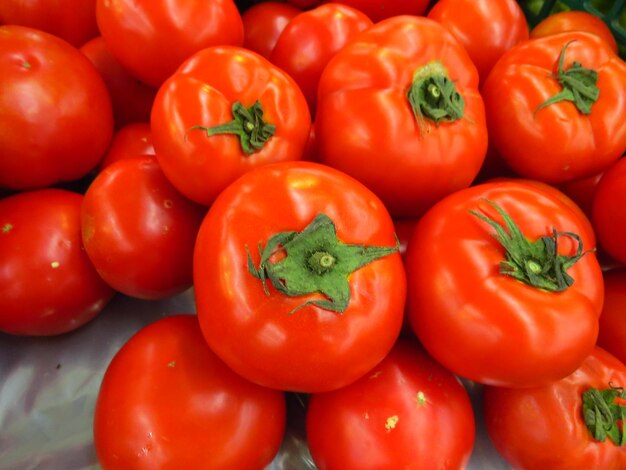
(138, 231)
(534, 124)
(151, 38)
(321, 318)
(71, 20)
(407, 412)
(262, 24)
(518, 312)
(255, 114)
(545, 427)
(55, 110)
(399, 110)
(608, 211)
(612, 336)
(48, 285)
(129, 141)
(167, 402)
(131, 99)
(487, 28)
(379, 10)
(309, 41)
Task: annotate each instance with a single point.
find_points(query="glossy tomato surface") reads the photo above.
(407, 412)
(262, 24)
(129, 141)
(48, 285)
(55, 110)
(500, 330)
(273, 338)
(167, 402)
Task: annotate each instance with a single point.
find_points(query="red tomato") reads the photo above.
(379, 10)
(131, 99)
(399, 110)
(309, 41)
(487, 28)
(71, 20)
(544, 427)
(528, 121)
(581, 191)
(513, 313)
(167, 402)
(138, 230)
(574, 20)
(612, 336)
(55, 110)
(255, 113)
(320, 319)
(263, 23)
(407, 412)
(130, 141)
(151, 38)
(48, 285)
(608, 211)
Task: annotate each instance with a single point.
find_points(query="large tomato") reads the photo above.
(262, 24)
(504, 269)
(55, 110)
(407, 412)
(555, 107)
(48, 285)
(129, 141)
(167, 402)
(138, 230)
(151, 38)
(399, 109)
(612, 336)
(565, 424)
(210, 127)
(298, 281)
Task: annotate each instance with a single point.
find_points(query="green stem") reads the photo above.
(604, 413)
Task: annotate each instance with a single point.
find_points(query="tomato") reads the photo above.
(131, 99)
(545, 427)
(574, 20)
(514, 313)
(138, 231)
(209, 128)
(612, 336)
(379, 10)
(55, 111)
(263, 23)
(407, 412)
(327, 314)
(48, 286)
(164, 33)
(399, 110)
(535, 127)
(129, 141)
(608, 211)
(166, 401)
(309, 41)
(487, 28)
(581, 191)
(52, 16)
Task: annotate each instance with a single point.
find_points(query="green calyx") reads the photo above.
(579, 85)
(247, 124)
(315, 261)
(604, 413)
(434, 97)
(536, 263)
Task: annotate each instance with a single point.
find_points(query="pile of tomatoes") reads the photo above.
(374, 203)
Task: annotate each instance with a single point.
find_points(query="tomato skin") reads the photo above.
(201, 166)
(262, 24)
(165, 33)
(487, 28)
(253, 332)
(379, 10)
(366, 127)
(578, 145)
(52, 17)
(55, 111)
(608, 211)
(543, 427)
(310, 39)
(612, 336)
(138, 230)
(500, 331)
(48, 286)
(129, 141)
(166, 401)
(378, 422)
